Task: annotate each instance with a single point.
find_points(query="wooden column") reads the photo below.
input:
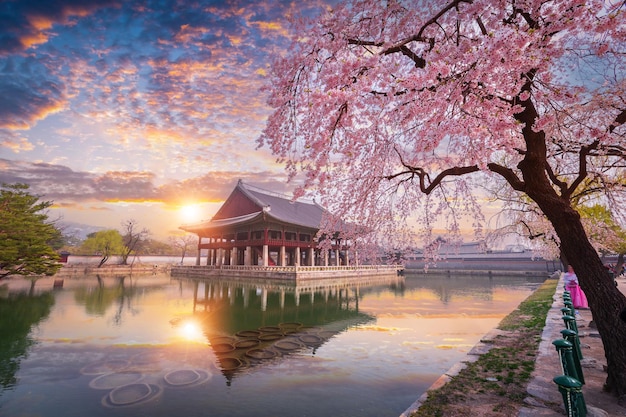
(198, 255)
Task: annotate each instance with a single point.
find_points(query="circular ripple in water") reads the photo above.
(230, 364)
(290, 325)
(223, 347)
(248, 333)
(131, 394)
(310, 339)
(222, 339)
(288, 345)
(99, 368)
(269, 329)
(261, 354)
(270, 336)
(246, 343)
(114, 380)
(186, 377)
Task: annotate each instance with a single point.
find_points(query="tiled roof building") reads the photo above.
(257, 227)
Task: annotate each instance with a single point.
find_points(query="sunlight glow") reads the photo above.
(191, 331)
(191, 213)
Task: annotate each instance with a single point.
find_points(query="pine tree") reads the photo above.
(25, 234)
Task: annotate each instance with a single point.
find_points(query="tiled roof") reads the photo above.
(284, 209)
(275, 207)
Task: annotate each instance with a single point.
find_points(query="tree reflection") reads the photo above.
(98, 299)
(19, 313)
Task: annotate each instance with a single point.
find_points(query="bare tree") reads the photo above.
(133, 238)
(183, 243)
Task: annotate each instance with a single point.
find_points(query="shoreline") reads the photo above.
(542, 395)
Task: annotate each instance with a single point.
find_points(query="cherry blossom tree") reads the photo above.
(390, 109)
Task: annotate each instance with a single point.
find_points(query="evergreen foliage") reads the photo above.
(26, 234)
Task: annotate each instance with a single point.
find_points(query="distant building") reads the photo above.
(258, 227)
(443, 247)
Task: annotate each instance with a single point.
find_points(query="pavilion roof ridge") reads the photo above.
(253, 188)
(229, 220)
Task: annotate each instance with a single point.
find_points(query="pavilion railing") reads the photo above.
(291, 269)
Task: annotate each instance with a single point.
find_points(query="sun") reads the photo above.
(191, 213)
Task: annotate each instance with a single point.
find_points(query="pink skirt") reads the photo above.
(578, 296)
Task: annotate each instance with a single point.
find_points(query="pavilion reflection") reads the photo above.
(250, 323)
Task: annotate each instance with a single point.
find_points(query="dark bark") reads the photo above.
(103, 260)
(605, 300)
(619, 266)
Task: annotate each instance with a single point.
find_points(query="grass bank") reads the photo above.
(495, 384)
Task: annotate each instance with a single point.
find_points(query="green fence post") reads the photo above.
(572, 337)
(571, 391)
(570, 323)
(566, 355)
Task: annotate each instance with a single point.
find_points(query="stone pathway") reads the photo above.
(543, 394)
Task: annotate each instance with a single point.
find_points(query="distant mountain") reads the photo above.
(77, 230)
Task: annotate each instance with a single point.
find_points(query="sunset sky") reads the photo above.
(118, 110)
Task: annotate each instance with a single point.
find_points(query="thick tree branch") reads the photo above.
(509, 175)
(619, 120)
(426, 185)
(401, 46)
(582, 167)
(555, 180)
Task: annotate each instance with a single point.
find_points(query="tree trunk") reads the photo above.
(619, 266)
(605, 300)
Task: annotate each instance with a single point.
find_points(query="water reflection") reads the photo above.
(254, 323)
(153, 345)
(19, 313)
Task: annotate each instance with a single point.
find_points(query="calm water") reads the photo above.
(157, 346)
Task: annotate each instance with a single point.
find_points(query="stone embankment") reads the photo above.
(543, 392)
(543, 398)
(70, 270)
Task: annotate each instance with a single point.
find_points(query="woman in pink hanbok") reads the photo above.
(579, 300)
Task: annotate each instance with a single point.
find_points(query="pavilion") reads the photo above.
(258, 227)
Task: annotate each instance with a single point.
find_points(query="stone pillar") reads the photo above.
(298, 257)
(220, 257)
(311, 257)
(337, 259)
(234, 258)
(247, 258)
(281, 256)
(266, 255)
(347, 257)
(325, 257)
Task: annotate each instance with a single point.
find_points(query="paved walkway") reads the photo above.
(544, 396)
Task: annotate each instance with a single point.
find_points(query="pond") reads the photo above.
(153, 345)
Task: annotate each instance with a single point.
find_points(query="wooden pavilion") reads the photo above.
(258, 227)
